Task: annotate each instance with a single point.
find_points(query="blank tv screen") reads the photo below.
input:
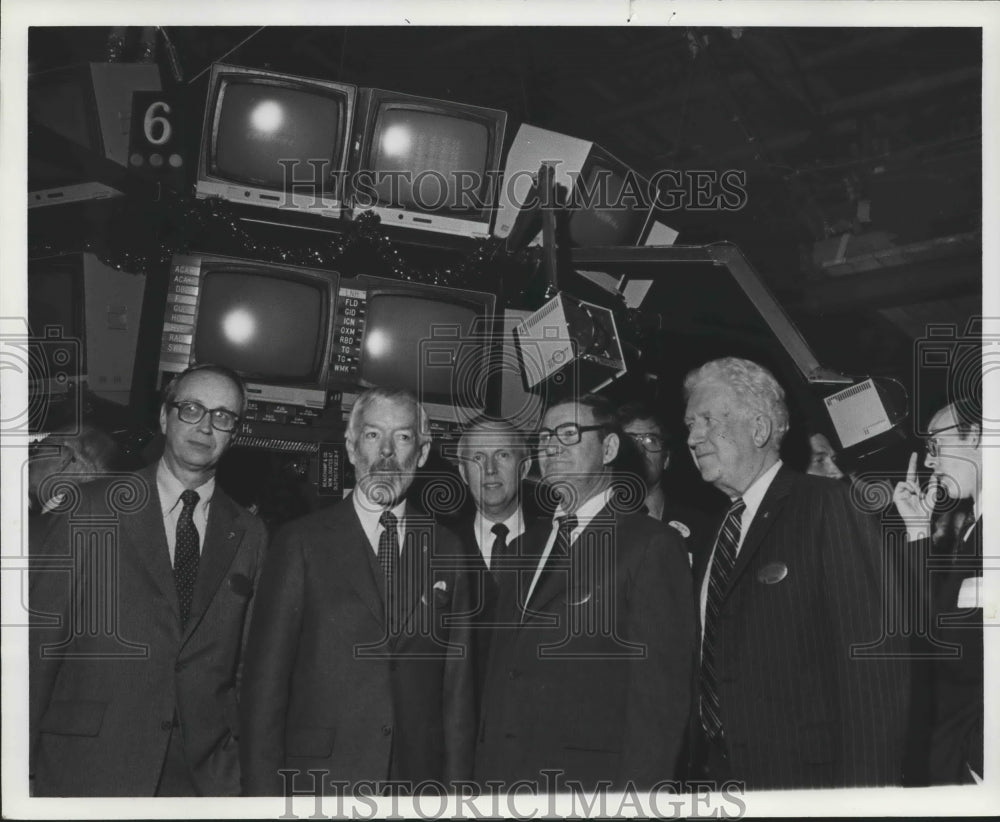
(260, 124)
(264, 326)
(605, 226)
(55, 301)
(62, 104)
(417, 143)
(395, 327)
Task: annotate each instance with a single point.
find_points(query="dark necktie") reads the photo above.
(186, 554)
(723, 561)
(559, 555)
(388, 558)
(499, 550)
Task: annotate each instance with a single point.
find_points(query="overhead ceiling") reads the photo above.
(861, 146)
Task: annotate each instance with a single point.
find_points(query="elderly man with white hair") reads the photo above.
(798, 687)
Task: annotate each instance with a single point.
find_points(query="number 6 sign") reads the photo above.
(155, 138)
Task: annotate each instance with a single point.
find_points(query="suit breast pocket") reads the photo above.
(76, 717)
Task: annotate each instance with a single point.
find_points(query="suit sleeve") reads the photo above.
(459, 709)
(270, 660)
(660, 617)
(871, 669)
(259, 538)
(48, 605)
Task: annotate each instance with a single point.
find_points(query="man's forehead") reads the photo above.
(384, 411)
(942, 419)
(200, 383)
(568, 412)
(643, 426)
(492, 440)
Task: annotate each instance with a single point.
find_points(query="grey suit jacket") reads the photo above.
(330, 687)
(110, 666)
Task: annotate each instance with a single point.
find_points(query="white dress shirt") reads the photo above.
(584, 514)
(752, 498)
(369, 514)
(483, 529)
(170, 489)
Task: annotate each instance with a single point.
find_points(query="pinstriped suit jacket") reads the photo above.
(808, 698)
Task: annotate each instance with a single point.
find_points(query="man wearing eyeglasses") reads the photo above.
(647, 431)
(951, 590)
(136, 654)
(592, 676)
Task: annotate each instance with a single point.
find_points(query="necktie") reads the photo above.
(723, 561)
(559, 555)
(388, 558)
(499, 550)
(186, 554)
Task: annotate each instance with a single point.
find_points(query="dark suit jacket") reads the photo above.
(808, 699)
(954, 646)
(327, 687)
(109, 662)
(485, 592)
(596, 680)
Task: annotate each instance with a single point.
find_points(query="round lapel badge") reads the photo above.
(772, 572)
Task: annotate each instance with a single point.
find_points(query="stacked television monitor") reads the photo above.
(90, 105)
(83, 317)
(276, 140)
(308, 341)
(609, 203)
(428, 164)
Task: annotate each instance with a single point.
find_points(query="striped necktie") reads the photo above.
(723, 560)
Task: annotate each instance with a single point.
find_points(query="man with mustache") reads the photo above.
(354, 669)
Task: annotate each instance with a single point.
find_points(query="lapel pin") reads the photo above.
(772, 572)
(230, 535)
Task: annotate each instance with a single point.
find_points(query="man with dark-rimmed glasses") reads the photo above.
(140, 624)
(590, 673)
(950, 589)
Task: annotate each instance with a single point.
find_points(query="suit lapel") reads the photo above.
(223, 536)
(144, 534)
(354, 552)
(767, 513)
(530, 548)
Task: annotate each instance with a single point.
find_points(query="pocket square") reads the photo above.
(441, 585)
(772, 572)
(970, 595)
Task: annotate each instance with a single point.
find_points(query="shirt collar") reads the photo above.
(514, 523)
(754, 495)
(369, 514)
(586, 512)
(170, 489)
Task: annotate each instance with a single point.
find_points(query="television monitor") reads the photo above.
(269, 322)
(609, 204)
(431, 340)
(91, 105)
(83, 317)
(275, 140)
(426, 164)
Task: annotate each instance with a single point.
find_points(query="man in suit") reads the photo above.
(593, 676)
(789, 596)
(648, 432)
(354, 666)
(949, 588)
(146, 704)
(493, 461)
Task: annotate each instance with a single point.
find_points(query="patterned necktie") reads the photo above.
(186, 554)
(559, 555)
(723, 561)
(388, 558)
(499, 550)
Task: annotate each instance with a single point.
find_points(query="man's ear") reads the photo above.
(163, 419)
(762, 429)
(666, 460)
(425, 451)
(525, 467)
(611, 444)
(351, 453)
(461, 471)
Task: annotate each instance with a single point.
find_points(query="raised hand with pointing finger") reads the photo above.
(915, 506)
